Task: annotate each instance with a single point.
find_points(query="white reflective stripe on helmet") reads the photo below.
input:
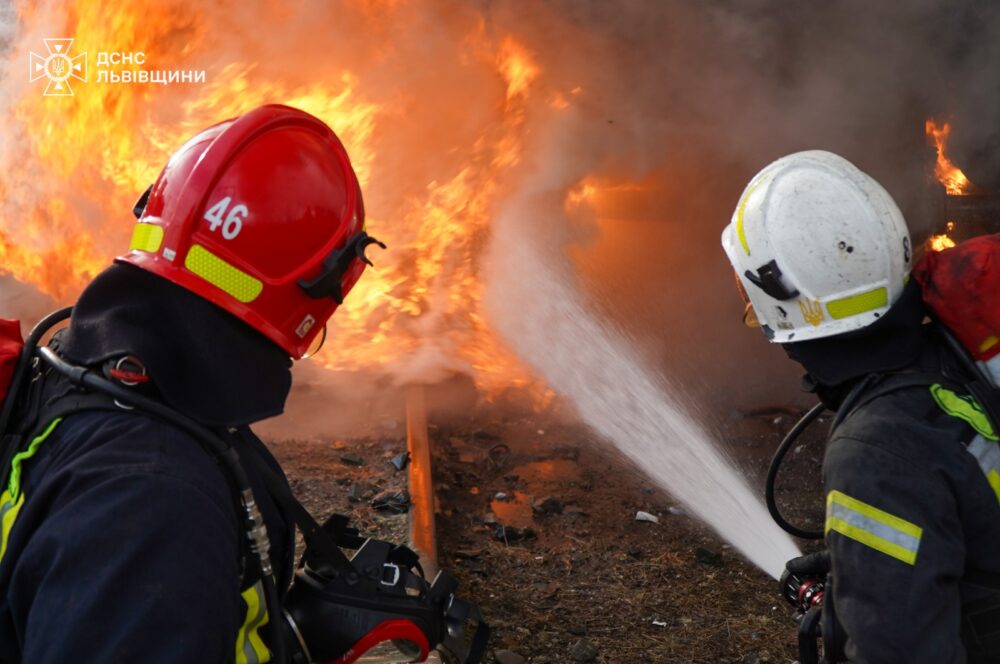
(819, 246)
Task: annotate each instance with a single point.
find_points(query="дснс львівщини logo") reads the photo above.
(58, 67)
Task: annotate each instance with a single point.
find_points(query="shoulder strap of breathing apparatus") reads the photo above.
(378, 595)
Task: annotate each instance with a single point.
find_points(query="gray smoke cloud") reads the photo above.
(695, 97)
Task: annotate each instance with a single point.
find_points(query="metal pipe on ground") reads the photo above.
(422, 537)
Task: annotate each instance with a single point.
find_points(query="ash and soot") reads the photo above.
(551, 179)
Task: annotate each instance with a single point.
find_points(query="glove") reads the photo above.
(816, 567)
(812, 565)
(804, 579)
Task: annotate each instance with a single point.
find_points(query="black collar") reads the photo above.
(204, 362)
(893, 342)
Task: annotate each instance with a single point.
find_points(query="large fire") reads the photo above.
(80, 162)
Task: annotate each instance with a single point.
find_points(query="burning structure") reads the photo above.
(630, 126)
(967, 210)
(446, 107)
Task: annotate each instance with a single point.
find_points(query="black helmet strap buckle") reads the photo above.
(768, 279)
(328, 282)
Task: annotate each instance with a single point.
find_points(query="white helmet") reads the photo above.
(819, 247)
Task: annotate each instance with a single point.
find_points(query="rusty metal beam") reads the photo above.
(422, 537)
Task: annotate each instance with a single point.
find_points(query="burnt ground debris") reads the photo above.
(537, 520)
(326, 485)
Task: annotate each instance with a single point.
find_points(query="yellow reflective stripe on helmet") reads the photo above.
(740, 210)
(987, 455)
(13, 498)
(858, 304)
(872, 527)
(964, 408)
(221, 274)
(147, 237)
(250, 648)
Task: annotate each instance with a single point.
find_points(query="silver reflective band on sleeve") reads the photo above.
(987, 455)
(872, 527)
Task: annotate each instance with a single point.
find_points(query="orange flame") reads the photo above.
(942, 241)
(952, 177)
(79, 164)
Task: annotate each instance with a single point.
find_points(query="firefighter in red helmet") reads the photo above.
(261, 216)
(122, 539)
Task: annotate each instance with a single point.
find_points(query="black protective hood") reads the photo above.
(203, 361)
(891, 343)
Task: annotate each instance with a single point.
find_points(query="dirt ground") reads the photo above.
(343, 476)
(576, 578)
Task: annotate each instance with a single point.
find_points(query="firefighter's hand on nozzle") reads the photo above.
(811, 565)
(803, 584)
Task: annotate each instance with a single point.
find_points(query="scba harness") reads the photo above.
(337, 609)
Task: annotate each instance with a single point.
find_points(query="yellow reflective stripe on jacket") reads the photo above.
(8, 512)
(964, 408)
(872, 527)
(250, 648)
(13, 498)
(987, 455)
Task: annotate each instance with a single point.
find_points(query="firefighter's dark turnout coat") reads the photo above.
(912, 481)
(123, 545)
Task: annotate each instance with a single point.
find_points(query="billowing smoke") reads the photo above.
(675, 105)
(691, 99)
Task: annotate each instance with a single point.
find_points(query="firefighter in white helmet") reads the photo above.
(822, 257)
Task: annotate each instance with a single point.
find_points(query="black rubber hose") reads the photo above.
(83, 377)
(772, 474)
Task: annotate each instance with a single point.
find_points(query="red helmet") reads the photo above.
(261, 215)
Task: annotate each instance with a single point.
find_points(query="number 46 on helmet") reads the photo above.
(262, 216)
